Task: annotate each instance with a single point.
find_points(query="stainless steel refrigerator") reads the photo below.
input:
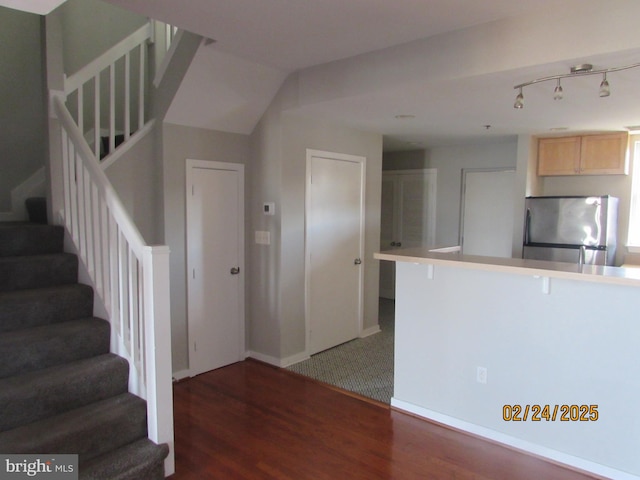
(571, 229)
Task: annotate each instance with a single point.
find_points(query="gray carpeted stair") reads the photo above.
(37, 271)
(30, 239)
(44, 306)
(140, 459)
(34, 348)
(50, 391)
(89, 431)
(61, 391)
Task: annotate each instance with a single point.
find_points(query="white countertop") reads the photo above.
(540, 268)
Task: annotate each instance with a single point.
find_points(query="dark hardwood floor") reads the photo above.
(254, 421)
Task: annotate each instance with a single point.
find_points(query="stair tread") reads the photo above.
(140, 459)
(42, 306)
(48, 345)
(32, 396)
(36, 271)
(88, 431)
(30, 239)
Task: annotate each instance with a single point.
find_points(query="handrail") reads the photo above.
(103, 185)
(116, 108)
(130, 277)
(86, 73)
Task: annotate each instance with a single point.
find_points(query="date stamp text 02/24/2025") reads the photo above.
(550, 413)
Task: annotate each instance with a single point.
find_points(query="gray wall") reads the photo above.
(406, 160)
(181, 143)
(136, 177)
(22, 106)
(90, 27)
(279, 143)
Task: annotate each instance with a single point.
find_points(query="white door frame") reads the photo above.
(307, 253)
(192, 164)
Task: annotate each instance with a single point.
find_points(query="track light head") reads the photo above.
(519, 100)
(557, 92)
(605, 90)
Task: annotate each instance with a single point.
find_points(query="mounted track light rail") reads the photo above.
(582, 70)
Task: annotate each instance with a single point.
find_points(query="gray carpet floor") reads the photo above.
(363, 366)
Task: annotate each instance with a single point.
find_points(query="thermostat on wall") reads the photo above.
(269, 208)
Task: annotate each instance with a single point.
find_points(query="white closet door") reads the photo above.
(487, 217)
(334, 239)
(215, 243)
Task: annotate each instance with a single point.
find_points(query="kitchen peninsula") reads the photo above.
(485, 344)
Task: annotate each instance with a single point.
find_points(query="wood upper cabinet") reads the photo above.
(559, 156)
(604, 154)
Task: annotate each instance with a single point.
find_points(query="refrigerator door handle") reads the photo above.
(527, 225)
(582, 255)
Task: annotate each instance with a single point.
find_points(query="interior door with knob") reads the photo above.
(215, 265)
(408, 217)
(335, 263)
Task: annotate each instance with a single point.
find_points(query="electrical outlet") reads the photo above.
(481, 375)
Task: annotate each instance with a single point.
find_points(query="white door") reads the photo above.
(408, 216)
(215, 266)
(487, 214)
(334, 248)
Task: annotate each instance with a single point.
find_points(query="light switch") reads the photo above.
(263, 238)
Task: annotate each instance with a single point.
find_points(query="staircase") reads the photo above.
(61, 391)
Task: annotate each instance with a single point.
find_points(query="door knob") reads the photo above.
(357, 261)
(235, 270)
(393, 244)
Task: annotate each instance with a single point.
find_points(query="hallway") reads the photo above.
(363, 366)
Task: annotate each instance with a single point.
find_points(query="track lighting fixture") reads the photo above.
(576, 71)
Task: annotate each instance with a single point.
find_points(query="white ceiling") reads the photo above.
(294, 34)
(40, 7)
(260, 42)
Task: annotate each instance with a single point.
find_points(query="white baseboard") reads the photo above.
(263, 358)
(370, 331)
(278, 362)
(181, 375)
(293, 359)
(555, 456)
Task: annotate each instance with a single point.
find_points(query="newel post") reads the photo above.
(157, 326)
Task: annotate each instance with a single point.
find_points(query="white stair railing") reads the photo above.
(130, 277)
(108, 95)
